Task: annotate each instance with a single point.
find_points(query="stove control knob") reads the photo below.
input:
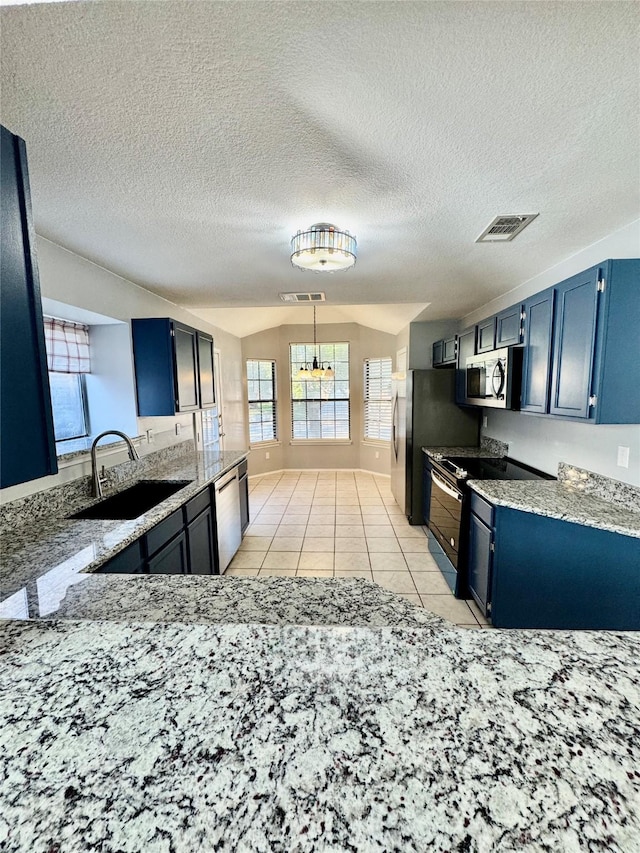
(462, 473)
(437, 456)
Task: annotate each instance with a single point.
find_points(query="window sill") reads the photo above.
(331, 442)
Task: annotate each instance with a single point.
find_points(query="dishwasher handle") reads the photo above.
(221, 485)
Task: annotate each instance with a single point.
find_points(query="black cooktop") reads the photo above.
(491, 468)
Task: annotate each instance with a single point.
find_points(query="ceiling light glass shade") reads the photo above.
(323, 248)
(303, 373)
(329, 373)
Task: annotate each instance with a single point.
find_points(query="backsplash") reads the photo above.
(64, 498)
(600, 486)
(493, 445)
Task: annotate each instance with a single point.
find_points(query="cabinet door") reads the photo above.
(437, 353)
(466, 348)
(487, 335)
(480, 562)
(536, 359)
(28, 448)
(449, 351)
(508, 327)
(574, 343)
(185, 345)
(172, 559)
(244, 502)
(205, 371)
(200, 544)
(129, 561)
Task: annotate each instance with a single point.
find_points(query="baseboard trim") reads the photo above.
(319, 470)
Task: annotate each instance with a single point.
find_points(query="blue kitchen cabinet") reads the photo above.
(27, 446)
(173, 367)
(596, 358)
(486, 335)
(170, 560)
(531, 571)
(444, 353)
(480, 552)
(536, 358)
(466, 346)
(201, 544)
(509, 327)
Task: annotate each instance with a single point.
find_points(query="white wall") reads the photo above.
(544, 441)
(72, 280)
(274, 344)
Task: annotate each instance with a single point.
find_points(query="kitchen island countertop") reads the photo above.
(129, 736)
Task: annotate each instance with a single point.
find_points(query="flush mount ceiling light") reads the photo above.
(323, 248)
(315, 370)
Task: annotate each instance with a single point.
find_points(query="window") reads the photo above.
(68, 359)
(261, 391)
(320, 406)
(377, 399)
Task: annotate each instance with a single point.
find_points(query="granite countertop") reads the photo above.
(40, 559)
(134, 736)
(474, 452)
(560, 499)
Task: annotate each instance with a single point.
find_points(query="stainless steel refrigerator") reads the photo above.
(425, 415)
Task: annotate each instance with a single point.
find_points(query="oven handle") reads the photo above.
(442, 484)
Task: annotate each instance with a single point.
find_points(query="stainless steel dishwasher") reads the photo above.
(228, 522)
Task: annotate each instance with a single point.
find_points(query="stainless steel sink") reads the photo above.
(133, 501)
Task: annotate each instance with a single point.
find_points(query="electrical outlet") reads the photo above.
(150, 438)
(267, 455)
(623, 456)
(177, 429)
(377, 454)
(485, 421)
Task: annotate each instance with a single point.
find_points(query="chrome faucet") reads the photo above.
(95, 476)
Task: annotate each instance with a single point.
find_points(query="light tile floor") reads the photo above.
(343, 524)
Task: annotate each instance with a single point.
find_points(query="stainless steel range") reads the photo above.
(449, 507)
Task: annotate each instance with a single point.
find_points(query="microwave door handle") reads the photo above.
(498, 373)
(446, 488)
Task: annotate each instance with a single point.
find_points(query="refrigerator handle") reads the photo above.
(394, 431)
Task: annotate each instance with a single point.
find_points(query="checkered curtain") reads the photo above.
(67, 346)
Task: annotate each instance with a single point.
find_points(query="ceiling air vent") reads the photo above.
(505, 228)
(302, 297)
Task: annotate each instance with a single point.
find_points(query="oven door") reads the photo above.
(445, 516)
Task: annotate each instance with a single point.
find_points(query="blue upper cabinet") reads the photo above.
(574, 327)
(486, 335)
(173, 365)
(509, 327)
(27, 447)
(537, 314)
(466, 346)
(444, 353)
(596, 356)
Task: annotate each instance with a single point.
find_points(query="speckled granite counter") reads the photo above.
(130, 737)
(210, 599)
(40, 558)
(560, 500)
(484, 452)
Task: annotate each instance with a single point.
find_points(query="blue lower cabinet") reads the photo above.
(480, 562)
(548, 573)
(128, 562)
(201, 545)
(170, 560)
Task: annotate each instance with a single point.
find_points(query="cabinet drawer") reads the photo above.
(127, 562)
(196, 505)
(483, 509)
(164, 531)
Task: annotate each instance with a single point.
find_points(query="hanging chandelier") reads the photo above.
(315, 370)
(323, 248)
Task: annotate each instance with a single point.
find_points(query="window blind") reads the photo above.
(377, 399)
(67, 345)
(261, 393)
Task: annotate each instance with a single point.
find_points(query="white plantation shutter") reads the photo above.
(261, 391)
(67, 346)
(377, 399)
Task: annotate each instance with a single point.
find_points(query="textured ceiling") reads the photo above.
(180, 144)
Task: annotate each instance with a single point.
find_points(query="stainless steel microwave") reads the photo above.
(494, 379)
